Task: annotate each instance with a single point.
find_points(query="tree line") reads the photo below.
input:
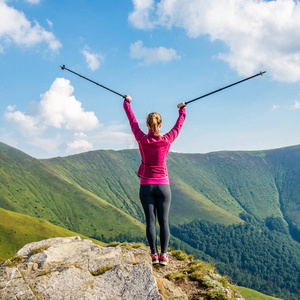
(262, 256)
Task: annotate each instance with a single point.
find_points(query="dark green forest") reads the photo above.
(261, 257)
(237, 209)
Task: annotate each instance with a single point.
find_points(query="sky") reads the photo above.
(158, 52)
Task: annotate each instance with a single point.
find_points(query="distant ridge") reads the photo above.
(232, 196)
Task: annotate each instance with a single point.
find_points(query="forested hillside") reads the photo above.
(242, 209)
(259, 188)
(263, 257)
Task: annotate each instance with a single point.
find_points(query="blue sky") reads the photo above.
(160, 53)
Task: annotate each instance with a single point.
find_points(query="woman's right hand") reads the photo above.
(128, 98)
(181, 105)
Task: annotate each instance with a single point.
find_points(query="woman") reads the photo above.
(155, 193)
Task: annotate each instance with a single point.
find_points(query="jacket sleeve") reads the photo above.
(137, 132)
(173, 133)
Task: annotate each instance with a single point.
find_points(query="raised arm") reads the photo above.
(173, 133)
(138, 133)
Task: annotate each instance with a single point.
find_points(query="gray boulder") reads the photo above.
(72, 268)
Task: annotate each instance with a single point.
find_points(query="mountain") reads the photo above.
(238, 189)
(28, 187)
(222, 187)
(232, 196)
(111, 175)
(16, 230)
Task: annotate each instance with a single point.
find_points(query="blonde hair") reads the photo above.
(154, 120)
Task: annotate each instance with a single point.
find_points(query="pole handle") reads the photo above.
(63, 67)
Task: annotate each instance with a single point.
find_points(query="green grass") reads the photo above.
(29, 187)
(96, 193)
(102, 270)
(249, 294)
(111, 175)
(17, 230)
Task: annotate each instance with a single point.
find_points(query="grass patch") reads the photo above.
(38, 250)
(113, 244)
(180, 255)
(254, 295)
(138, 245)
(17, 230)
(102, 270)
(14, 261)
(204, 273)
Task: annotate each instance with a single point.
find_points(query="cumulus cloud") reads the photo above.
(152, 55)
(16, 28)
(141, 16)
(296, 105)
(93, 59)
(58, 108)
(79, 143)
(259, 35)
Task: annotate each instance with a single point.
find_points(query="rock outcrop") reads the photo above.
(72, 268)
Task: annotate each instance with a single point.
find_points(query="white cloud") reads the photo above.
(79, 145)
(140, 17)
(27, 125)
(50, 24)
(16, 28)
(259, 35)
(274, 107)
(58, 108)
(152, 55)
(80, 135)
(296, 105)
(93, 59)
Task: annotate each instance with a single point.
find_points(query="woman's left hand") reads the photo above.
(181, 105)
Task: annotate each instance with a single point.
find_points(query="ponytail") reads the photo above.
(154, 120)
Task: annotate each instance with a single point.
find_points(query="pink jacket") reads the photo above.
(154, 149)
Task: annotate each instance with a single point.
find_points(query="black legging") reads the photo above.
(156, 199)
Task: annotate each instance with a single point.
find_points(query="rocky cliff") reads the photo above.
(73, 268)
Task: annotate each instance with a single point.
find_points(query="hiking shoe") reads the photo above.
(155, 259)
(163, 260)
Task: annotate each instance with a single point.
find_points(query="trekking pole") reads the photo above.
(63, 67)
(260, 73)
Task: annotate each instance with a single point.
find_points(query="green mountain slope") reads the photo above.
(27, 186)
(111, 175)
(249, 294)
(258, 188)
(220, 187)
(17, 230)
(285, 165)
